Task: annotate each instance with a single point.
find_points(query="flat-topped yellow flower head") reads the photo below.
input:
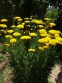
(46, 19)
(20, 26)
(17, 17)
(13, 40)
(53, 42)
(3, 25)
(54, 32)
(7, 44)
(33, 34)
(8, 36)
(16, 34)
(26, 18)
(26, 21)
(42, 31)
(4, 20)
(52, 24)
(19, 20)
(13, 26)
(25, 37)
(2, 31)
(41, 26)
(10, 31)
(43, 40)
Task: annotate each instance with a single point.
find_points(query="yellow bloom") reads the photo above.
(13, 26)
(59, 39)
(56, 35)
(27, 21)
(53, 42)
(37, 21)
(43, 40)
(10, 31)
(20, 26)
(43, 35)
(26, 18)
(2, 31)
(28, 26)
(47, 38)
(54, 32)
(19, 20)
(31, 50)
(52, 24)
(13, 40)
(23, 23)
(46, 19)
(4, 20)
(25, 37)
(3, 25)
(8, 36)
(48, 35)
(16, 34)
(7, 44)
(42, 31)
(17, 17)
(40, 26)
(33, 34)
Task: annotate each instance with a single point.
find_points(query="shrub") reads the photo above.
(32, 48)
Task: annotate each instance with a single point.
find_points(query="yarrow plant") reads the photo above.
(32, 48)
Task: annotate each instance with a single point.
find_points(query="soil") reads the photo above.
(7, 70)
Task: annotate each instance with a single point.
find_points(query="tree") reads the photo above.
(35, 7)
(6, 11)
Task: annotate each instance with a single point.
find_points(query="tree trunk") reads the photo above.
(40, 12)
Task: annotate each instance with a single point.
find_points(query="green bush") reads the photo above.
(52, 14)
(32, 55)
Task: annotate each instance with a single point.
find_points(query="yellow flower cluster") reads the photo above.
(27, 28)
(37, 21)
(8, 36)
(16, 34)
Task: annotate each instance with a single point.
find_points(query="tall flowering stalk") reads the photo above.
(32, 48)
